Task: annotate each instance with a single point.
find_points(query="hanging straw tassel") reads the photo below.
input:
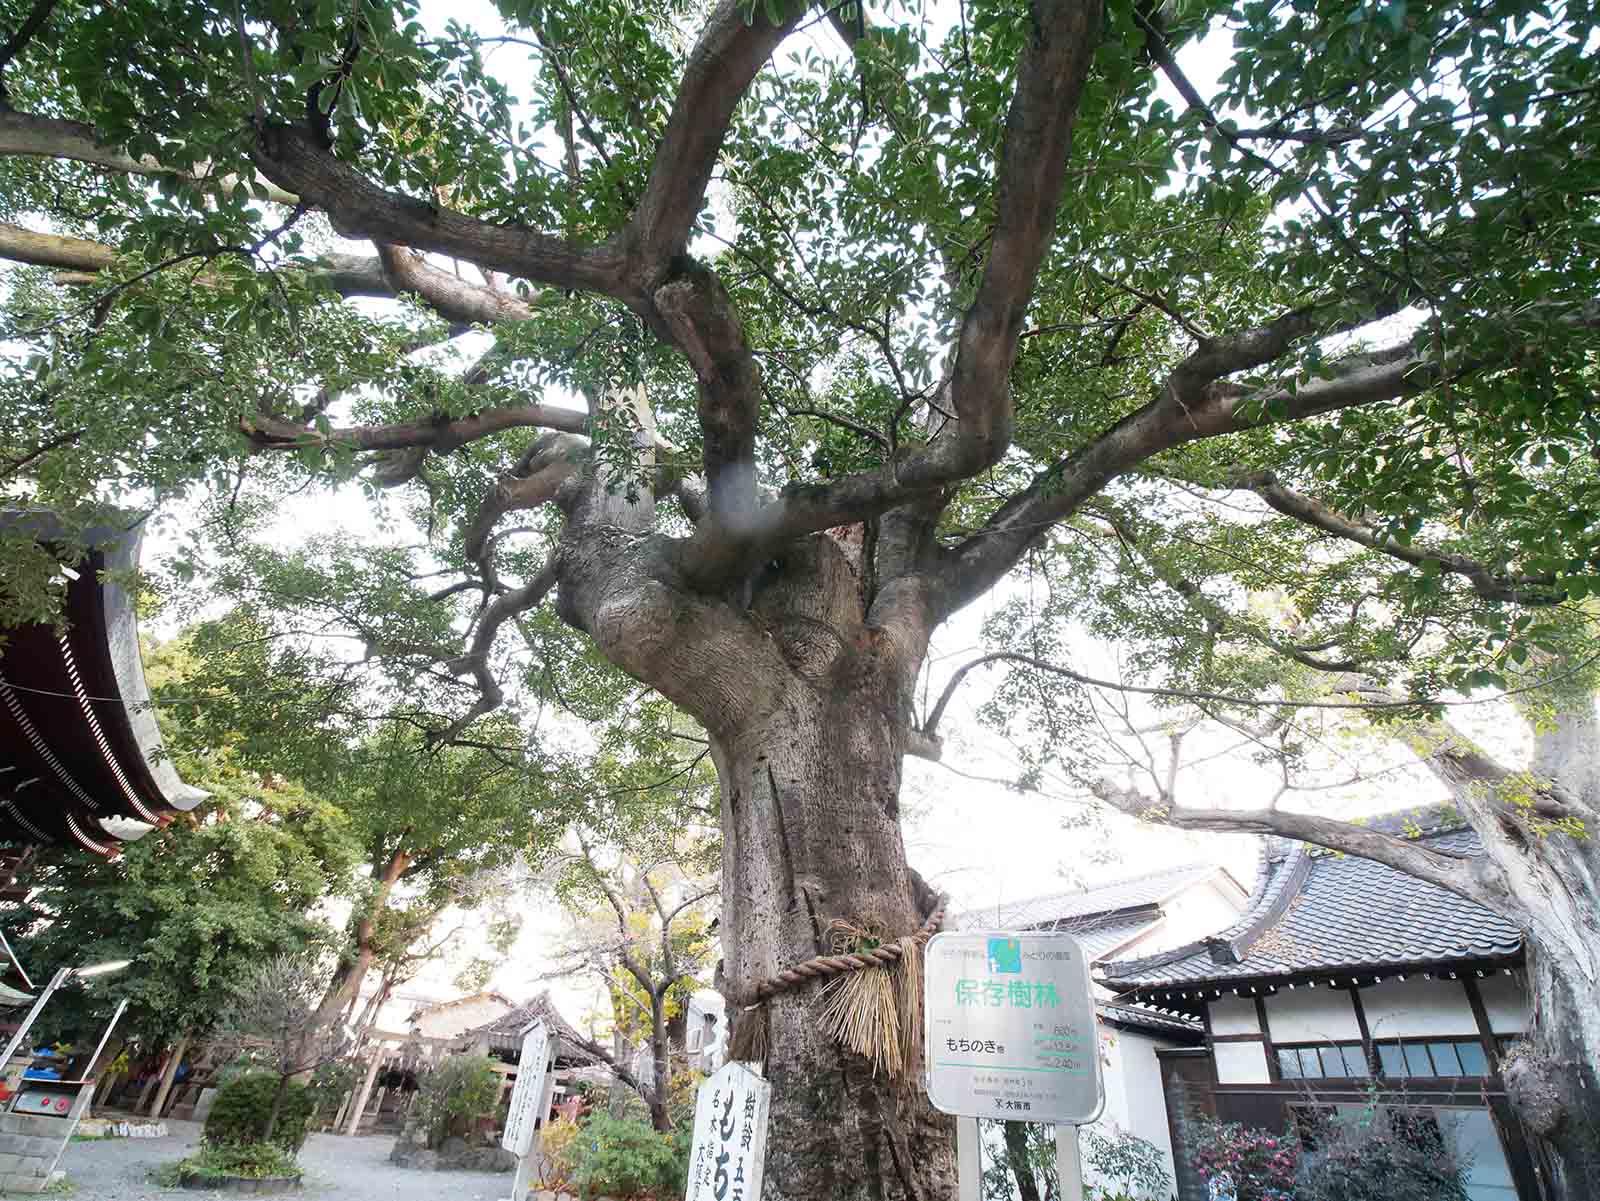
(750, 1036)
(871, 1001)
(908, 998)
(877, 1011)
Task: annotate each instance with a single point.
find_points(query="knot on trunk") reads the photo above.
(1534, 1082)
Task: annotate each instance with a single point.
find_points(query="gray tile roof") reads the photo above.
(1155, 1021)
(1315, 913)
(504, 1034)
(1105, 936)
(1061, 909)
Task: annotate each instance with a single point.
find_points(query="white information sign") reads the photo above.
(730, 1136)
(1011, 1028)
(528, 1091)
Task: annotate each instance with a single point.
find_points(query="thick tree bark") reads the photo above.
(802, 677)
(810, 799)
(1551, 1075)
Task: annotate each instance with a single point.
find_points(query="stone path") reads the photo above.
(337, 1169)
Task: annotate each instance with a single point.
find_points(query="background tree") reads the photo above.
(439, 827)
(641, 927)
(194, 905)
(274, 1015)
(965, 286)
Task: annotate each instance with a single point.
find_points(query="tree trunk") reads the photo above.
(1544, 876)
(661, 1056)
(1020, 1162)
(811, 834)
(802, 677)
(1552, 1080)
(347, 980)
(276, 1111)
(168, 1075)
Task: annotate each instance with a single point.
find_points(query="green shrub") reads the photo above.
(455, 1095)
(1136, 1169)
(559, 1142)
(622, 1157)
(240, 1113)
(253, 1161)
(1380, 1154)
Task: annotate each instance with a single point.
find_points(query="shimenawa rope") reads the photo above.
(820, 967)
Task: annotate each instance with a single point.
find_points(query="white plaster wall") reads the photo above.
(1193, 914)
(1312, 1015)
(1134, 1100)
(1145, 1104)
(1234, 1015)
(1115, 1079)
(1417, 1008)
(1240, 1063)
(1505, 999)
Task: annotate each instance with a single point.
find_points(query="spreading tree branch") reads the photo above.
(1492, 586)
(1033, 165)
(28, 136)
(1459, 874)
(1195, 403)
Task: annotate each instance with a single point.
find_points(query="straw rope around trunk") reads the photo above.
(747, 1041)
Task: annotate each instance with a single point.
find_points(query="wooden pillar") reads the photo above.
(148, 1087)
(168, 1075)
(360, 1106)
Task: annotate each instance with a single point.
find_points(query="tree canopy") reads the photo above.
(762, 337)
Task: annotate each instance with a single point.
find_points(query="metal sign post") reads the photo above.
(1012, 1037)
(533, 1063)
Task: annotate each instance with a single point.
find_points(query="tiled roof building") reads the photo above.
(1344, 981)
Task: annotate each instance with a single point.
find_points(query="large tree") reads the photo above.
(872, 310)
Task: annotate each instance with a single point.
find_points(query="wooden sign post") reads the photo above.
(526, 1095)
(730, 1136)
(1011, 1036)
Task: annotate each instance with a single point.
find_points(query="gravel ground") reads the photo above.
(337, 1169)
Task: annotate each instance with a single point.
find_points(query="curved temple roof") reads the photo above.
(1315, 914)
(81, 759)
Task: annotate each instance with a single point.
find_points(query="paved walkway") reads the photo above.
(337, 1169)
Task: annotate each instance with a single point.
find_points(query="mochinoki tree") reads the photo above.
(677, 357)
